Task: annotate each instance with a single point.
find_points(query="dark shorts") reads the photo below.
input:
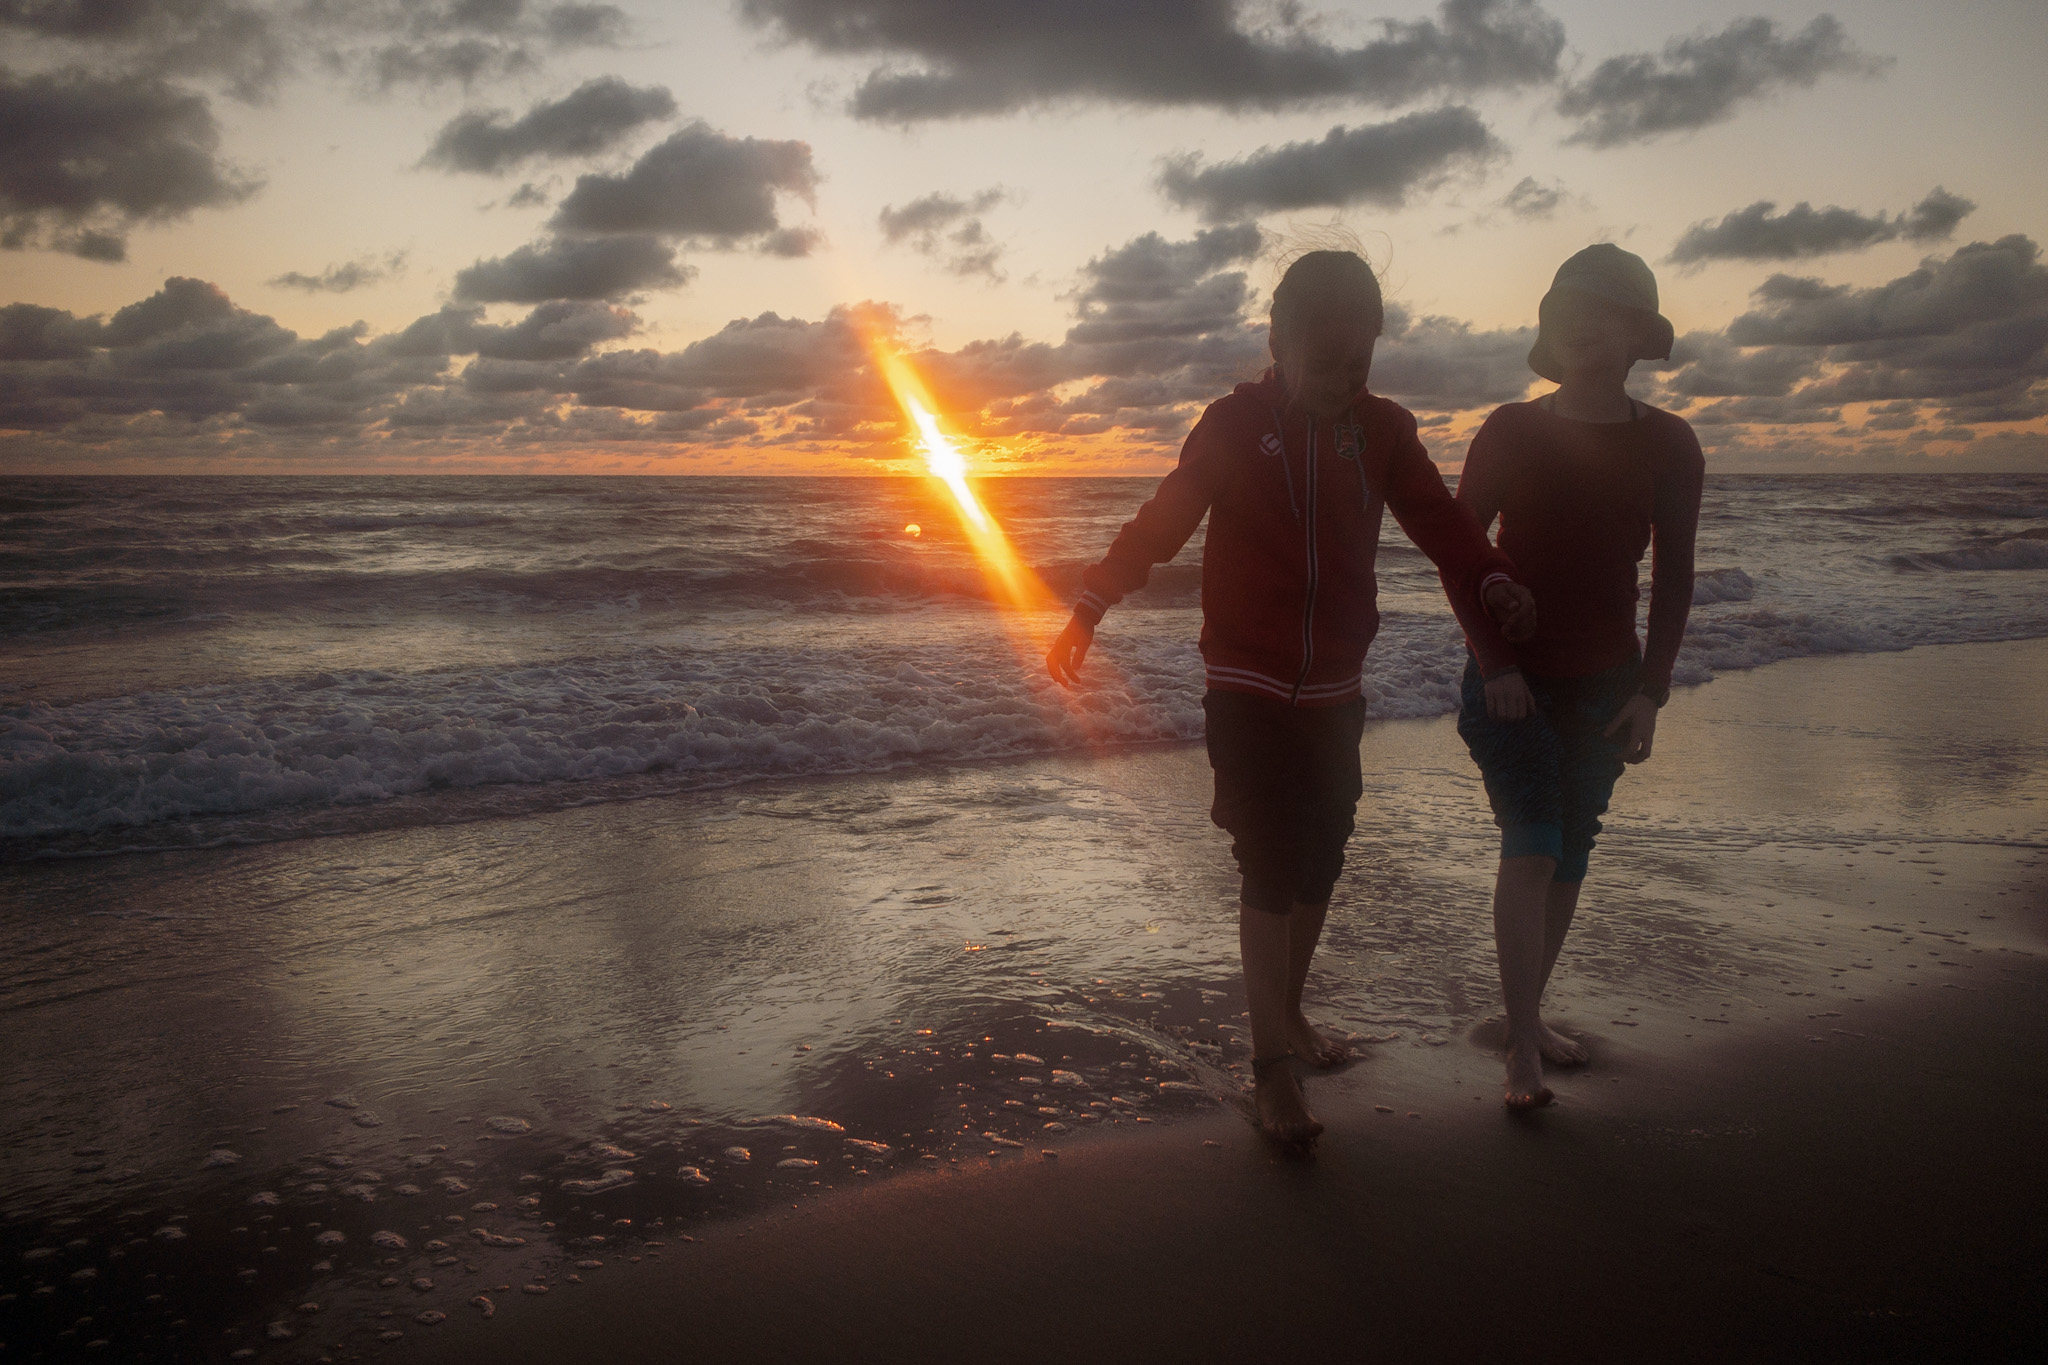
(1287, 786)
(1550, 776)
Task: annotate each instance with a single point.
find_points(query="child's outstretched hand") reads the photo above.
(1513, 608)
(1636, 724)
(1069, 648)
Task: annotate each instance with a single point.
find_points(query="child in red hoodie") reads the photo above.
(1294, 472)
(1583, 480)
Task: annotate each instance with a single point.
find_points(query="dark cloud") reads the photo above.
(1378, 164)
(84, 159)
(593, 118)
(31, 332)
(699, 184)
(1531, 199)
(961, 58)
(1438, 364)
(1966, 334)
(360, 273)
(248, 45)
(1758, 234)
(1700, 80)
(463, 42)
(237, 42)
(947, 229)
(574, 268)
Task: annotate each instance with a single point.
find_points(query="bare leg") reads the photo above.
(1560, 901)
(1304, 931)
(1263, 942)
(1521, 894)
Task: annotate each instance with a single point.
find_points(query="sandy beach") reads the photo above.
(802, 1050)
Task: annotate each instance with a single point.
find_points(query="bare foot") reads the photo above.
(1559, 1050)
(1283, 1114)
(1317, 1049)
(1525, 1088)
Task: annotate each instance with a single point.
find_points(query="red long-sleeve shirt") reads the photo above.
(1578, 504)
(1289, 598)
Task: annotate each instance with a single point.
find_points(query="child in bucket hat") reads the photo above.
(1583, 481)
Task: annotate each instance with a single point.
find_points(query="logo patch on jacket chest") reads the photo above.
(1350, 440)
(1270, 443)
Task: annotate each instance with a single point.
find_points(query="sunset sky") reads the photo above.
(527, 236)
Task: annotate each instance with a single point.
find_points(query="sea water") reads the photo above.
(192, 661)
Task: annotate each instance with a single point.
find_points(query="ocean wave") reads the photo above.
(1722, 585)
(2019, 552)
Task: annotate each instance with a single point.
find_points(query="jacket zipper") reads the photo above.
(1308, 608)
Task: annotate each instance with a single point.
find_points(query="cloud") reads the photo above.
(1757, 234)
(1378, 164)
(360, 273)
(239, 43)
(947, 229)
(1160, 326)
(1966, 333)
(1702, 79)
(247, 46)
(84, 159)
(1439, 364)
(965, 58)
(593, 118)
(574, 268)
(1532, 200)
(462, 42)
(698, 184)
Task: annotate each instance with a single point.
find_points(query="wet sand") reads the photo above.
(1810, 968)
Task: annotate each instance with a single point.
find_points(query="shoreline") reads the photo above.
(511, 801)
(884, 951)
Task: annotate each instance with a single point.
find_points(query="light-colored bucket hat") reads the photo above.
(1619, 277)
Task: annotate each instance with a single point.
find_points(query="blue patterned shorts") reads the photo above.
(1549, 776)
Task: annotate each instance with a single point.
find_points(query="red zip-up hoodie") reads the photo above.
(1289, 598)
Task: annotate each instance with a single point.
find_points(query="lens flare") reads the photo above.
(1016, 585)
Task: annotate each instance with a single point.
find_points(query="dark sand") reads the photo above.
(1811, 970)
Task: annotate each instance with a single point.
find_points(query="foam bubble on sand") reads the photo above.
(431, 1317)
(738, 1154)
(1067, 1078)
(609, 1180)
(265, 1199)
(875, 1149)
(804, 1121)
(484, 1305)
(691, 1175)
(220, 1156)
(606, 1151)
(390, 1241)
(452, 1184)
(408, 1189)
(493, 1239)
(503, 1124)
(332, 1237)
(795, 1163)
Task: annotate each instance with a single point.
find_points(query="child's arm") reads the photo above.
(1674, 528)
(1154, 536)
(1482, 491)
(1479, 580)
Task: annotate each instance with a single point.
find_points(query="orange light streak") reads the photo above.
(1017, 585)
